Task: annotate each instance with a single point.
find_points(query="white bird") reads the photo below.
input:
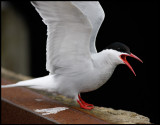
(72, 58)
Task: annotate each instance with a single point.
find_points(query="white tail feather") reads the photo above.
(42, 83)
(8, 86)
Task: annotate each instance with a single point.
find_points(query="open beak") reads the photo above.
(123, 57)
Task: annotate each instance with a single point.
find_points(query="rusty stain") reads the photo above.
(27, 99)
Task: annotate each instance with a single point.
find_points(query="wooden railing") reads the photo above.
(26, 106)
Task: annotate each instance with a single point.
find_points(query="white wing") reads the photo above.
(69, 33)
(95, 14)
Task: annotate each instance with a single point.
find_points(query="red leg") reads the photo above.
(84, 106)
(83, 102)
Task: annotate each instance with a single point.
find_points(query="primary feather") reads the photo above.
(95, 15)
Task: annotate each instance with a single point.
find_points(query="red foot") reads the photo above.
(83, 104)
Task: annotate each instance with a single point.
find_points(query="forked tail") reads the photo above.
(42, 83)
(9, 86)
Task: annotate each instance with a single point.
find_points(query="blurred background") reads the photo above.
(23, 50)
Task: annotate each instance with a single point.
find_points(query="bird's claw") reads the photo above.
(89, 106)
(83, 104)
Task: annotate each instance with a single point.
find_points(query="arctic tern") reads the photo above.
(74, 64)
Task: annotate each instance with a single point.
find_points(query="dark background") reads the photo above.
(133, 23)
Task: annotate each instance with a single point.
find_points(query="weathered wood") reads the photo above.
(107, 114)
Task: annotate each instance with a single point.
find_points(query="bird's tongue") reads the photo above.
(123, 57)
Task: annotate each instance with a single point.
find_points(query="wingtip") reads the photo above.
(33, 3)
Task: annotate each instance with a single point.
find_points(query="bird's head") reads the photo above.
(119, 52)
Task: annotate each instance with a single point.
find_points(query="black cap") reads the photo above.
(119, 47)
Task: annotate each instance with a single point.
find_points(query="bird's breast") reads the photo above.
(96, 79)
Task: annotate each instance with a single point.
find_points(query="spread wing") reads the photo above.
(95, 14)
(70, 28)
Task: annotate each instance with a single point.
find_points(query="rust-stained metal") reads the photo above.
(19, 105)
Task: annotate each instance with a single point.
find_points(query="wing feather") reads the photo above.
(69, 33)
(95, 14)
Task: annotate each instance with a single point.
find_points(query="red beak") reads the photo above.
(123, 57)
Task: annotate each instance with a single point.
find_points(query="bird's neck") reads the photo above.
(103, 66)
(103, 59)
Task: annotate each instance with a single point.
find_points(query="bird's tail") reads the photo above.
(9, 86)
(43, 83)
